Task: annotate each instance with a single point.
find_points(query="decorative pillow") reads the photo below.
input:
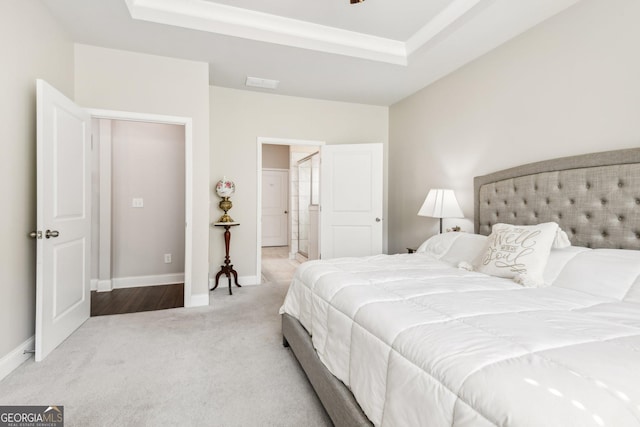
(518, 252)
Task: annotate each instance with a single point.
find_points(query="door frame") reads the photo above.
(273, 141)
(187, 123)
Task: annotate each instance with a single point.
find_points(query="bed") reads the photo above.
(419, 339)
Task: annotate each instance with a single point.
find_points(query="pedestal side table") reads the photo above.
(227, 268)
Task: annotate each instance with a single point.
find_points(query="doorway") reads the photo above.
(139, 228)
(63, 263)
(285, 154)
(138, 216)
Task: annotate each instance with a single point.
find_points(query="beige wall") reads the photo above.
(568, 86)
(239, 117)
(275, 156)
(127, 81)
(146, 160)
(33, 46)
(148, 163)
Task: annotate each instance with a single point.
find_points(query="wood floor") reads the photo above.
(133, 300)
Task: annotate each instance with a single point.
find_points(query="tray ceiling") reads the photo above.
(374, 52)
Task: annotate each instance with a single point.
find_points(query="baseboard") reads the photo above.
(105, 285)
(16, 357)
(101, 285)
(199, 300)
(248, 280)
(137, 281)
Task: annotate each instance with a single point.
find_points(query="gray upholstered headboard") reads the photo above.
(594, 197)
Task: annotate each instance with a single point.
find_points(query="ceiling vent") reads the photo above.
(262, 83)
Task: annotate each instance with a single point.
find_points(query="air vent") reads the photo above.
(262, 83)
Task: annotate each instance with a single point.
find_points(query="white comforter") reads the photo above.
(421, 343)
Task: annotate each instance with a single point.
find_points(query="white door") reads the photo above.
(63, 218)
(350, 200)
(275, 195)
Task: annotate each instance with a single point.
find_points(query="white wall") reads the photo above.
(147, 163)
(239, 117)
(569, 86)
(33, 46)
(127, 81)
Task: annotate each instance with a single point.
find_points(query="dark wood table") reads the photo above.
(227, 268)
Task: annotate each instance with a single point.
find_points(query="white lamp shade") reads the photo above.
(441, 204)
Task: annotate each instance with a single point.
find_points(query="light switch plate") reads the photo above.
(137, 202)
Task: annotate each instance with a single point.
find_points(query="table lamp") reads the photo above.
(441, 204)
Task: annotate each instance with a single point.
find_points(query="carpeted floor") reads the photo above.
(222, 365)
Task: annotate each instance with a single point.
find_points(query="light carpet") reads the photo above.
(222, 365)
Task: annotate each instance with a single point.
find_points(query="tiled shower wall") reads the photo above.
(297, 153)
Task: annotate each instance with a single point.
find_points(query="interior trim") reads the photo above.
(192, 227)
(16, 357)
(264, 27)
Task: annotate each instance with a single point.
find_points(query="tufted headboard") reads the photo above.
(594, 197)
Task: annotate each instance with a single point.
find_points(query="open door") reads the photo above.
(63, 292)
(350, 200)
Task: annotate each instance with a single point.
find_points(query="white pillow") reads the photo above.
(465, 248)
(438, 245)
(518, 252)
(453, 247)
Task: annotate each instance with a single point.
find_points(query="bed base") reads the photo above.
(336, 398)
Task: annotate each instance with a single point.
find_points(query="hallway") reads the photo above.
(276, 265)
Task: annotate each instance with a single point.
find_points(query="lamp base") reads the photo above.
(225, 204)
(225, 218)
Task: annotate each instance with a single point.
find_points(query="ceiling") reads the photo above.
(375, 52)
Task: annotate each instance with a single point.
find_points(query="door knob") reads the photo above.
(378, 220)
(50, 233)
(286, 212)
(36, 234)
